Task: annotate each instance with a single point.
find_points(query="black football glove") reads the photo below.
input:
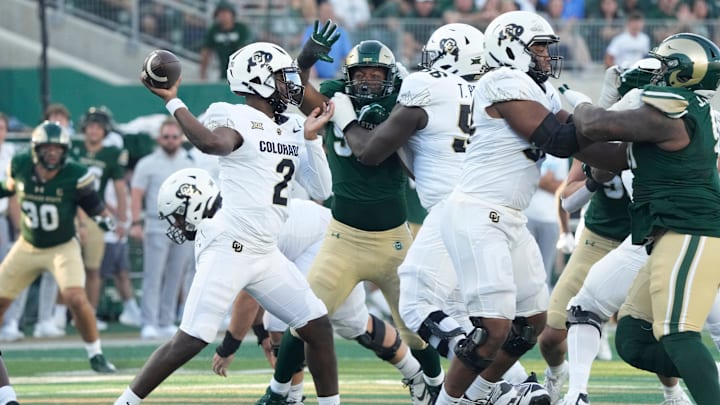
(318, 46)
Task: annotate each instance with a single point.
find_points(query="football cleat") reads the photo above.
(502, 393)
(531, 392)
(45, 329)
(418, 389)
(683, 400)
(271, 398)
(554, 383)
(100, 364)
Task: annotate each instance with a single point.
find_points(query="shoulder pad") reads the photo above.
(218, 115)
(671, 104)
(506, 84)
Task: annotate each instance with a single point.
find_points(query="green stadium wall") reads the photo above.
(21, 95)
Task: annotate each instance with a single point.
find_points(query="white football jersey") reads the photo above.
(306, 225)
(500, 166)
(437, 150)
(254, 178)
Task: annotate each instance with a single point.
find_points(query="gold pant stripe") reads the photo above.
(683, 274)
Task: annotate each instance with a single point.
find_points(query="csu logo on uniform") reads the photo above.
(237, 246)
(259, 58)
(494, 216)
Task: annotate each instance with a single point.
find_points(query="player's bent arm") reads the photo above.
(219, 141)
(312, 98)
(373, 147)
(575, 194)
(315, 175)
(644, 124)
(609, 156)
(532, 121)
(89, 200)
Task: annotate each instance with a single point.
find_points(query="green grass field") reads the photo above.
(57, 372)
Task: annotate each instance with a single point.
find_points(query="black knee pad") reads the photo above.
(466, 350)
(577, 316)
(275, 350)
(374, 340)
(521, 337)
(431, 327)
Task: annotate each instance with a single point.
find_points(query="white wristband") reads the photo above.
(174, 104)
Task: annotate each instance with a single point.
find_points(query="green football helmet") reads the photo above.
(101, 115)
(370, 54)
(49, 133)
(640, 74)
(688, 60)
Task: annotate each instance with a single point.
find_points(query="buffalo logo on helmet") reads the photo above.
(511, 32)
(187, 190)
(449, 47)
(259, 58)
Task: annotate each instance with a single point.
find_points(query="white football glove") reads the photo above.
(609, 94)
(566, 243)
(630, 101)
(574, 97)
(344, 111)
(402, 70)
(107, 223)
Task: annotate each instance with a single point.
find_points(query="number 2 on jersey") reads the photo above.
(286, 167)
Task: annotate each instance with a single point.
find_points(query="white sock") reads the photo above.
(93, 348)
(296, 392)
(674, 392)
(583, 342)
(280, 388)
(479, 389)
(7, 394)
(408, 365)
(435, 381)
(555, 370)
(128, 397)
(333, 400)
(445, 399)
(516, 374)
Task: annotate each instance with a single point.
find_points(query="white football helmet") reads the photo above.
(455, 48)
(186, 198)
(254, 69)
(508, 39)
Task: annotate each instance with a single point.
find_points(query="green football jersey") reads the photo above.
(48, 208)
(677, 190)
(106, 164)
(607, 214)
(371, 198)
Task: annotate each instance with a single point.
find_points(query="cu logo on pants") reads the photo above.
(494, 216)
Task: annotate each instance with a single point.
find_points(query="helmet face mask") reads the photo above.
(364, 84)
(688, 60)
(259, 67)
(514, 38)
(640, 74)
(457, 49)
(45, 135)
(186, 198)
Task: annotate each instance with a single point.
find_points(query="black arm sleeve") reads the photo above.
(556, 138)
(89, 200)
(4, 191)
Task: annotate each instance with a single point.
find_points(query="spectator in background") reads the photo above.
(417, 33)
(573, 47)
(57, 112)
(631, 45)
(609, 12)
(665, 10)
(571, 10)
(351, 14)
(542, 214)
(287, 23)
(464, 11)
(164, 262)
(224, 37)
(326, 70)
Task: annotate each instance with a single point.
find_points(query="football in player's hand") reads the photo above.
(161, 69)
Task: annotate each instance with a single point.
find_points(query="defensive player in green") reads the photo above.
(50, 189)
(368, 236)
(106, 163)
(671, 147)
